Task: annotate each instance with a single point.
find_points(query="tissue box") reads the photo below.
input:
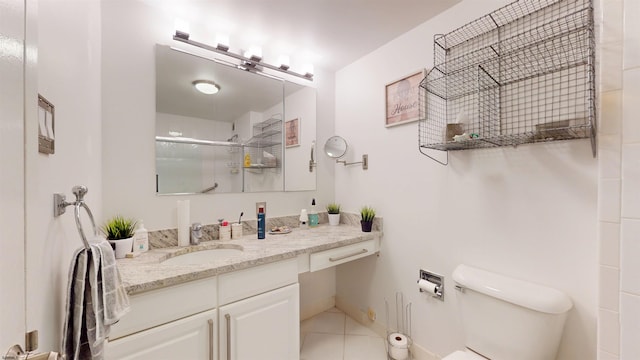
(269, 160)
(453, 130)
(556, 130)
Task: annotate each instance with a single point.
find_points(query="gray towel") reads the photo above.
(96, 300)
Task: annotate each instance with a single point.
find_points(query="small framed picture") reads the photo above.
(402, 100)
(292, 133)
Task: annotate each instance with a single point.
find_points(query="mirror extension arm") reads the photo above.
(364, 162)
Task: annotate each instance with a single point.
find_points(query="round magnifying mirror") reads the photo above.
(335, 147)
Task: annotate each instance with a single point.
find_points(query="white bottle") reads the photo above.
(141, 239)
(304, 219)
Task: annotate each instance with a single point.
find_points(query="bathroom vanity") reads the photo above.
(241, 306)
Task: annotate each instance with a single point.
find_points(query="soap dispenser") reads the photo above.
(313, 214)
(141, 239)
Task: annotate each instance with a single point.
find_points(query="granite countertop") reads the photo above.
(147, 272)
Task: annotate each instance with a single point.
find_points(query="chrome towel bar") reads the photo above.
(60, 204)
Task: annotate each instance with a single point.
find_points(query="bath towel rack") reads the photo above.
(60, 204)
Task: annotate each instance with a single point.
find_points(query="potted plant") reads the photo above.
(334, 214)
(367, 214)
(119, 232)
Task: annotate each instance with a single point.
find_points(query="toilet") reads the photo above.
(506, 318)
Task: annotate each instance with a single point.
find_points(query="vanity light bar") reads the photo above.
(252, 63)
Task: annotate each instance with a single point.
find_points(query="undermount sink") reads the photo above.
(202, 256)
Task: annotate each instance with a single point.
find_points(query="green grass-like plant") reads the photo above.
(367, 213)
(333, 208)
(119, 227)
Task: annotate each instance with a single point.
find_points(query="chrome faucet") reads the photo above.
(196, 233)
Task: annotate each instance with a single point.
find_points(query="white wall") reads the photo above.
(529, 212)
(630, 243)
(130, 31)
(12, 100)
(619, 169)
(301, 105)
(68, 75)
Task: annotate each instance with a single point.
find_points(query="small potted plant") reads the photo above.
(334, 214)
(119, 232)
(367, 214)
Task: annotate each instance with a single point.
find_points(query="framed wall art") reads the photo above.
(292, 133)
(402, 100)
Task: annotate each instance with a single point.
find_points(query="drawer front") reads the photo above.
(161, 306)
(242, 284)
(324, 259)
(192, 338)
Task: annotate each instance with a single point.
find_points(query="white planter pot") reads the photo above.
(122, 247)
(334, 219)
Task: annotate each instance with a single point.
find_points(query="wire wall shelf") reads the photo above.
(524, 73)
(265, 146)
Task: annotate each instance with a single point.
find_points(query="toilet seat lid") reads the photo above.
(464, 355)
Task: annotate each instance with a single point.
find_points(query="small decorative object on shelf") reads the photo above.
(334, 214)
(367, 214)
(524, 73)
(119, 232)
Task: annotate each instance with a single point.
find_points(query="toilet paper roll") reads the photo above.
(427, 286)
(398, 346)
(183, 222)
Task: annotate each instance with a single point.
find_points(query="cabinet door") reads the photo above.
(192, 338)
(265, 327)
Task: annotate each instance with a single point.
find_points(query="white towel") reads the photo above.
(96, 300)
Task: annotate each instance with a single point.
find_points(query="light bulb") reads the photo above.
(222, 42)
(284, 62)
(181, 25)
(308, 70)
(254, 53)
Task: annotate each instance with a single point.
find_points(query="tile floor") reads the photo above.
(332, 335)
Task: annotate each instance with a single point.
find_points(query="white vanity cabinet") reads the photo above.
(247, 314)
(176, 322)
(182, 321)
(264, 327)
(332, 257)
(192, 338)
(259, 313)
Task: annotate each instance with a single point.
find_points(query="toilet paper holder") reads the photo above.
(437, 279)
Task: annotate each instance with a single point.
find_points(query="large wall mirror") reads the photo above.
(254, 133)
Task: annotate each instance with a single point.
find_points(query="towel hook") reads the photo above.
(60, 204)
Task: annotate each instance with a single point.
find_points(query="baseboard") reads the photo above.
(417, 351)
(420, 353)
(360, 316)
(317, 307)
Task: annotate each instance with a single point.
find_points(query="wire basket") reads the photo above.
(522, 74)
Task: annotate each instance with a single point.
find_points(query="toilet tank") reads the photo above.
(506, 318)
